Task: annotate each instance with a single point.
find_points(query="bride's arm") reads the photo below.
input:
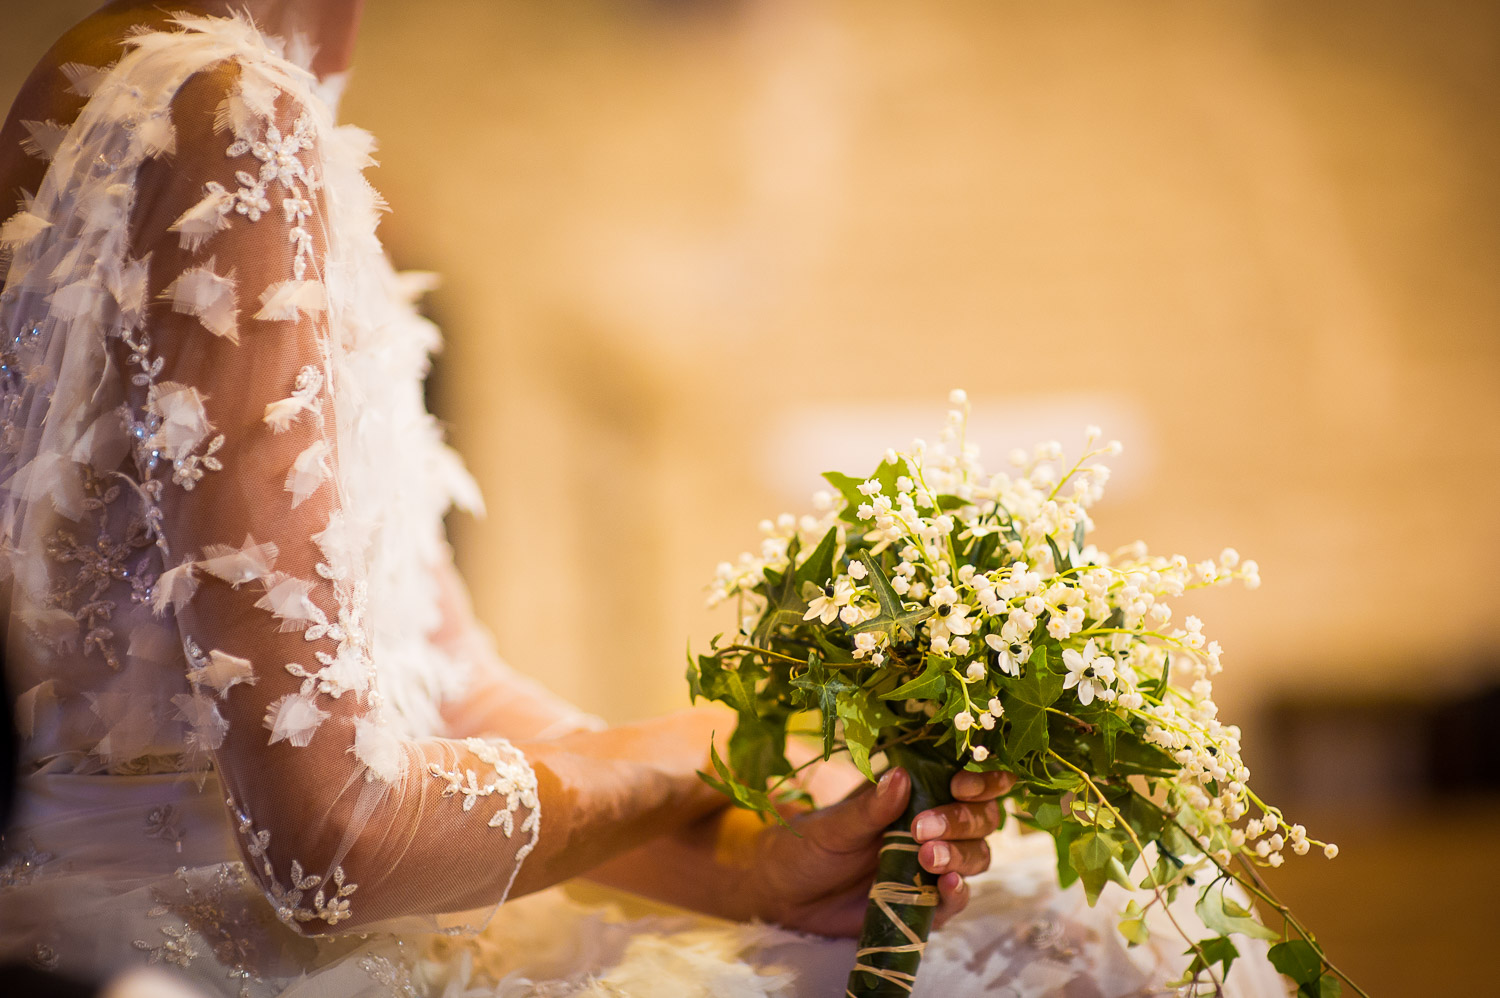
(345, 816)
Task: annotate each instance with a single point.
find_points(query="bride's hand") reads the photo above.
(819, 882)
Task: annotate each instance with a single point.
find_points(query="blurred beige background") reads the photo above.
(696, 252)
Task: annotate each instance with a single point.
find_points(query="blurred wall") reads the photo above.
(696, 252)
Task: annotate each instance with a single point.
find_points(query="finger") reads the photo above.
(957, 821)
(858, 821)
(965, 856)
(981, 786)
(953, 897)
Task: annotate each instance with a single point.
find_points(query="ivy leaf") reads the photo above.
(1133, 925)
(863, 718)
(1297, 959)
(1028, 729)
(818, 689)
(894, 620)
(757, 750)
(818, 568)
(1038, 686)
(1095, 856)
(1209, 952)
(741, 795)
(1224, 916)
(928, 686)
(784, 602)
(1326, 986)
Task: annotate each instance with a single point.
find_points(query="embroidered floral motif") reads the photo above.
(279, 163)
(22, 867)
(329, 901)
(395, 976)
(213, 908)
(511, 778)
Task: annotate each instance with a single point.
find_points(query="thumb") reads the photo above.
(858, 821)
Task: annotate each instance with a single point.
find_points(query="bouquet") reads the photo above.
(934, 616)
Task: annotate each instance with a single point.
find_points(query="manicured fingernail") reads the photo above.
(967, 784)
(928, 826)
(887, 784)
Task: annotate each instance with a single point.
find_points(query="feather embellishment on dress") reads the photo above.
(199, 223)
(293, 718)
(222, 670)
(21, 228)
(84, 79)
(377, 744)
(288, 300)
(184, 421)
(155, 135)
(237, 566)
(81, 299)
(43, 138)
(288, 599)
(281, 414)
(207, 726)
(174, 587)
(308, 471)
(208, 296)
(106, 209)
(128, 285)
(343, 544)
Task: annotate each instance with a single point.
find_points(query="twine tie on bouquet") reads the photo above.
(885, 893)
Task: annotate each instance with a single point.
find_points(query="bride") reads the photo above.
(264, 740)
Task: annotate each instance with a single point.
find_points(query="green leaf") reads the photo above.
(1217, 950)
(1133, 925)
(1297, 959)
(928, 686)
(1047, 816)
(1326, 986)
(819, 689)
(757, 750)
(1079, 535)
(818, 568)
(1224, 916)
(848, 487)
(1096, 858)
(1059, 560)
(784, 602)
(1028, 729)
(863, 719)
(1038, 685)
(741, 795)
(894, 620)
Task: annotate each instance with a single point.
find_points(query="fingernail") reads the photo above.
(928, 826)
(967, 784)
(941, 854)
(887, 784)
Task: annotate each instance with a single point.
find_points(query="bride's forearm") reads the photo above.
(603, 793)
(704, 865)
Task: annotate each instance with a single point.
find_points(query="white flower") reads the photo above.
(964, 721)
(857, 570)
(958, 397)
(952, 616)
(960, 646)
(975, 671)
(1005, 661)
(996, 707)
(1330, 850)
(987, 721)
(822, 500)
(1087, 670)
(900, 584)
(981, 753)
(870, 487)
(826, 607)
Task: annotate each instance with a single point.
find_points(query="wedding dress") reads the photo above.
(240, 692)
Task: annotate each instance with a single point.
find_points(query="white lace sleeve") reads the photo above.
(188, 360)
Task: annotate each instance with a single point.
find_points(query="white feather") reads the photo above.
(43, 138)
(156, 135)
(21, 228)
(283, 412)
(203, 717)
(184, 421)
(77, 300)
(222, 671)
(200, 292)
(210, 215)
(128, 284)
(106, 209)
(287, 300)
(237, 566)
(308, 471)
(83, 79)
(377, 744)
(174, 587)
(287, 599)
(294, 718)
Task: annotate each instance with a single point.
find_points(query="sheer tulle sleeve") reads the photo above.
(235, 375)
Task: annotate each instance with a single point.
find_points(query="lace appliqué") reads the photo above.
(385, 971)
(279, 163)
(22, 867)
(330, 902)
(511, 778)
(213, 912)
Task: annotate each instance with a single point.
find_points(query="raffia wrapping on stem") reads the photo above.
(904, 897)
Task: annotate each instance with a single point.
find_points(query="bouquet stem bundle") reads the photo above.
(904, 896)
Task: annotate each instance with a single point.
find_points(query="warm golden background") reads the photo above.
(695, 252)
